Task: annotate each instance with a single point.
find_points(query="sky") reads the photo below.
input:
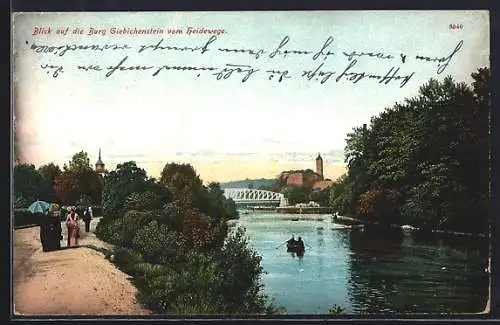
(228, 130)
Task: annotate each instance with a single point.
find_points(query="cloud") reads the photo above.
(127, 157)
(280, 142)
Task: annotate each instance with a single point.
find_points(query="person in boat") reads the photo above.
(290, 244)
(300, 244)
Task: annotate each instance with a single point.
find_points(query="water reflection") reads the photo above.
(367, 272)
(406, 274)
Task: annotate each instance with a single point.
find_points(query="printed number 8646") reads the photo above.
(456, 26)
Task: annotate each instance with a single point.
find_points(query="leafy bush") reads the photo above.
(199, 286)
(21, 203)
(157, 243)
(140, 201)
(123, 182)
(431, 151)
(121, 231)
(336, 310)
(241, 286)
(156, 284)
(23, 217)
(127, 259)
(176, 250)
(85, 200)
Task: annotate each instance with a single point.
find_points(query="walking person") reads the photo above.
(87, 218)
(72, 223)
(50, 229)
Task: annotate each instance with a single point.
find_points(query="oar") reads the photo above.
(280, 245)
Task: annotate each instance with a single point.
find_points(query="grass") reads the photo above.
(107, 252)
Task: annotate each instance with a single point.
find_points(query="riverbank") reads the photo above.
(305, 210)
(76, 281)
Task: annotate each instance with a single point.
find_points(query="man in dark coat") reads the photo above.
(87, 217)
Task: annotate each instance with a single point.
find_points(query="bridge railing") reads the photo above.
(246, 194)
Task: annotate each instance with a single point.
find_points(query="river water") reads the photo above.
(367, 272)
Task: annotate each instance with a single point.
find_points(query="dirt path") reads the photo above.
(77, 281)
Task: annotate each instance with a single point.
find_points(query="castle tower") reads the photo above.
(319, 166)
(99, 165)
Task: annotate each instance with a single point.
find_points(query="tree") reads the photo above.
(183, 182)
(64, 188)
(297, 194)
(219, 206)
(79, 162)
(49, 172)
(84, 201)
(86, 180)
(143, 201)
(320, 196)
(341, 195)
(28, 183)
(424, 161)
(176, 248)
(127, 179)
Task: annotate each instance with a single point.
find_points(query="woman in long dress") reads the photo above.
(73, 227)
(50, 229)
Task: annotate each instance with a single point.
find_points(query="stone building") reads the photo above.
(306, 177)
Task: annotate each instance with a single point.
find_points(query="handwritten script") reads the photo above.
(307, 64)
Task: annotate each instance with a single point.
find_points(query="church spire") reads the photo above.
(99, 165)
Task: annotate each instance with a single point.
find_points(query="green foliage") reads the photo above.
(123, 182)
(173, 242)
(121, 231)
(84, 200)
(79, 162)
(205, 283)
(218, 205)
(241, 288)
(23, 217)
(28, 183)
(336, 310)
(127, 259)
(424, 162)
(157, 243)
(143, 201)
(262, 183)
(341, 195)
(321, 197)
(85, 181)
(183, 182)
(21, 202)
(380, 205)
(49, 173)
(297, 194)
(188, 191)
(49, 183)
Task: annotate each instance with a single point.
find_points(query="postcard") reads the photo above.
(251, 163)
